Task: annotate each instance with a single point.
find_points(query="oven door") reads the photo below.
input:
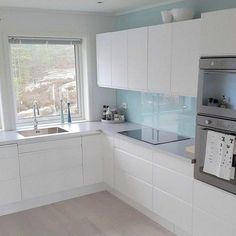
(216, 93)
(199, 174)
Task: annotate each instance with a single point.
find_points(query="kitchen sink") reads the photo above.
(43, 131)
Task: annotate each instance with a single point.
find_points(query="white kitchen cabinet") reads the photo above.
(119, 59)
(185, 57)
(206, 225)
(159, 58)
(108, 161)
(50, 167)
(92, 159)
(137, 58)
(215, 202)
(173, 209)
(9, 175)
(174, 183)
(218, 37)
(133, 165)
(134, 188)
(103, 44)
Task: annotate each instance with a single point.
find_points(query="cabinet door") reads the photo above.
(9, 175)
(218, 37)
(206, 225)
(50, 167)
(137, 59)
(108, 161)
(185, 58)
(159, 58)
(104, 59)
(92, 159)
(173, 209)
(119, 59)
(133, 188)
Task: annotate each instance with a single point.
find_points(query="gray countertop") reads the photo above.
(177, 149)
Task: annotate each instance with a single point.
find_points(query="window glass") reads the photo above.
(46, 73)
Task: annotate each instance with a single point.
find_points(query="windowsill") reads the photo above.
(45, 125)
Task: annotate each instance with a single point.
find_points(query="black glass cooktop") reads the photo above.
(153, 136)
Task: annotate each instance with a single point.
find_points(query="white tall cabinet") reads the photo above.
(159, 58)
(218, 36)
(185, 57)
(137, 58)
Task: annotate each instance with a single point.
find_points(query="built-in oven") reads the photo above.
(205, 124)
(216, 109)
(217, 87)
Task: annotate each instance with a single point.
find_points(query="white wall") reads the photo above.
(29, 22)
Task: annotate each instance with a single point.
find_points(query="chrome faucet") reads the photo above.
(36, 112)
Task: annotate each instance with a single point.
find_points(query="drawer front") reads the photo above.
(40, 185)
(9, 162)
(215, 202)
(92, 159)
(56, 144)
(134, 149)
(10, 191)
(8, 151)
(174, 183)
(108, 161)
(36, 163)
(173, 163)
(206, 225)
(173, 209)
(133, 188)
(133, 165)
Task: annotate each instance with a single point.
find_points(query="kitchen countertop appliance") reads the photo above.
(153, 136)
(217, 82)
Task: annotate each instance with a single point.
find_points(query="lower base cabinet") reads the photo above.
(173, 209)
(9, 175)
(50, 167)
(92, 159)
(134, 188)
(208, 225)
(214, 211)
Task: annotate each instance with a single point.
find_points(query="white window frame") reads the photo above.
(55, 119)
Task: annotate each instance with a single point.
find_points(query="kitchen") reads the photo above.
(76, 174)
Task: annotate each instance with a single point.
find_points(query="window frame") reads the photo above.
(54, 119)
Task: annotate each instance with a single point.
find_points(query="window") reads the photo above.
(46, 71)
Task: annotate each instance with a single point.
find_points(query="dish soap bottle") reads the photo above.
(69, 115)
(108, 114)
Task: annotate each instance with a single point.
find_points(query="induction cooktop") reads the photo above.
(153, 136)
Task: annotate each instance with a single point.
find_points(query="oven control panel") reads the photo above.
(217, 123)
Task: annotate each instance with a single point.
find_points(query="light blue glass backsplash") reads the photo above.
(171, 113)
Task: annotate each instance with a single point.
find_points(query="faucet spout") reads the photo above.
(36, 112)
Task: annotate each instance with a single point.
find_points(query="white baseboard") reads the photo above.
(49, 199)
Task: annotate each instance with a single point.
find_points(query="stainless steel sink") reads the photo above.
(44, 131)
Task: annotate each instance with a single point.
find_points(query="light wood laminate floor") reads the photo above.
(99, 214)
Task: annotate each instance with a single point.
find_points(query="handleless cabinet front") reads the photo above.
(50, 167)
(9, 175)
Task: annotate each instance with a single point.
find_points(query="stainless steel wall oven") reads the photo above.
(216, 104)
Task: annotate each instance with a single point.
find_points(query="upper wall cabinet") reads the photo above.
(185, 57)
(162, 58)
(104, 60)
(137, 59)
(218, 36)
(159, 58)
(119, 59)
